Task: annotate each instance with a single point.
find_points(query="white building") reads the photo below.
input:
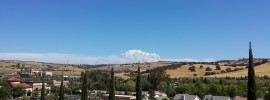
(210, 97)
(186, 97)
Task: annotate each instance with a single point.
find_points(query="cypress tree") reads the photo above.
(112, 86)
(84, 94)
(220, 81)
(251, 77)
(62, 96)
(139, 85)
(42, 97)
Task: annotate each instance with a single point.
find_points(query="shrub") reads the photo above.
(208, 69)
(266, 77)
(228, 70)
(201, 66)
(236, 69)
(207, 73)
(192, 69)
(222, 71)
(218, 67)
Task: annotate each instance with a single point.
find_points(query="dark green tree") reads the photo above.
(267, 96)
(55, 91)
(251, 77)
(170, 91)
(112, 86)
(139, 85)
(74, 85)
(151, 93)
(18, 92)
(42, 97)
(215, 89)
(5, 92)
(232, 91)
(84, 94)
(156, 76)
(163, 85)
(100, 80)
(221, 81)
(62, 92)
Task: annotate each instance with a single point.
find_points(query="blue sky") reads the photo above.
(173, 29)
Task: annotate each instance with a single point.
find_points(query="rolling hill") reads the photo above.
(260, 70)
(184, 71)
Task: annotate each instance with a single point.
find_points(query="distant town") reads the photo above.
(163, 80)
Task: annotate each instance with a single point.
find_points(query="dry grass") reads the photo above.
(133, 67)
(121, 75)
(67, 73)
(179, 72)
(184, 72)
(260, 70)
(8, 70)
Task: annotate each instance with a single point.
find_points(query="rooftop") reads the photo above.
(24, 85)
(13, 79)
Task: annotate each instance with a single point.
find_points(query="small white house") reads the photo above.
(210, 97)
(186, 97)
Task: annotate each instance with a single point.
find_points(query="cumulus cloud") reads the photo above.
(131, 56)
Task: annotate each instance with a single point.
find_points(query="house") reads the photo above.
(158, 95)
(37, 86)
(244, 98)
(186, 97)
(29, 87)
(210, 97)
(34, 73)
(239, 98)
(58, 83)
(15, 82)
(119, 97)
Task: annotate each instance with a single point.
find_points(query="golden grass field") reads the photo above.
(72, 71)
(260, 70)
(184, 72)
(122, 75)
(133, 67)
(8, 70)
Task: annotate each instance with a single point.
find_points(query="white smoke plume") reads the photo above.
(138, 55)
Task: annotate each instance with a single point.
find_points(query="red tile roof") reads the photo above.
(24, 85)
(13, 79)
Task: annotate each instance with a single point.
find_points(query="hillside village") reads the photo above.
(27, 76)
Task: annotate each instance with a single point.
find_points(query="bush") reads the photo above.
(228, 70)
(201, 66)
(267, 96)
(185, 88)
(265, 77)
(208, 69)
(237, 69)
(192, 69)
(210, 73)
(222, 71)
(207, 73)
(218, 67)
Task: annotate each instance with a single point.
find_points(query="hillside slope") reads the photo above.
(260, 70)
(184, 71)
